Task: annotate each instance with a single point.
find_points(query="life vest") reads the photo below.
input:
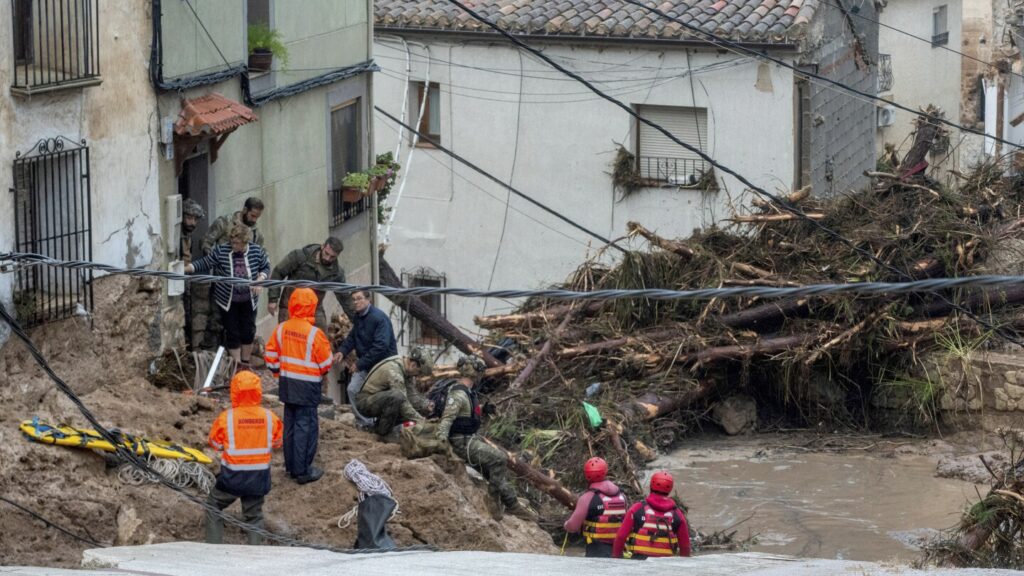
(604, 516)
(654, 532)
(467, 425)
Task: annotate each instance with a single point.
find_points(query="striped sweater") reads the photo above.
(218, 262)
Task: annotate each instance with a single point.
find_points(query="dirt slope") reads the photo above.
(440, 503)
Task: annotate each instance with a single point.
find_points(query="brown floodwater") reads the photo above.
(850, 505)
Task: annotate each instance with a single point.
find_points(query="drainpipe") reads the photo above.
(374, 251)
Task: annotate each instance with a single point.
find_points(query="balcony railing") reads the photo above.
(885, 79)
(342, 211)
(56, 44)
(674, 171)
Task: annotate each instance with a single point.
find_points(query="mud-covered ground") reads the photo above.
(107, 364)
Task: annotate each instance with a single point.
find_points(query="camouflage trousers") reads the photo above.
(488, 461)
(389, 407)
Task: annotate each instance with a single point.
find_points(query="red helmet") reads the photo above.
(595, 469)
(661, 482)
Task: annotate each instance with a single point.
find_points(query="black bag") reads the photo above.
(438, 394)
(374, 512)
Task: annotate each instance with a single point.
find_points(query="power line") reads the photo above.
(734, 46)
(88, 540)
(208, 35)
(494, 179)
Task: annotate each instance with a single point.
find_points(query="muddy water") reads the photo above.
(847, 505)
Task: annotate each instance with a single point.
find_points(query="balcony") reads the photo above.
(885, 79)
(342, 211)
(56, 45)
(684, 172)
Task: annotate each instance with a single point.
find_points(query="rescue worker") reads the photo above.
(316, 262)
(299, 355)
(373, 340)
(459, 425)
(654, 527)
(191, 214)
(599, 511)
(244, 435)
(387, 396)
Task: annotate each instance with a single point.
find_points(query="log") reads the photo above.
(794, 197)
(419, 309)
(975, 301)
(615, 433)
(751, 270)
(769, 314)
(533, 362)
(617, 343)
(738, 351)
(539, 316)
(450, 371)
(679, 248)
(652, 405)
(927, 130)
(546, 483)
(786, 217)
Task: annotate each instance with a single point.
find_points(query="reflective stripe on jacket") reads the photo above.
(654, 533)
(299, 353)
(604, 517)
(244, 435)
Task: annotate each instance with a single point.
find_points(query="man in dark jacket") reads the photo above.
(372, 338)
(316, 262)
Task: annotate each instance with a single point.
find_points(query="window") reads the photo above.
(659, 159)
(52, 216)
(940, 34)
(345, 158)
(258, 12)
(430, 124)
(56, 45)
(418, 333)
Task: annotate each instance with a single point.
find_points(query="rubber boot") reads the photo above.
(214, 529)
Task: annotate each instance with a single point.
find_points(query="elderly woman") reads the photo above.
(240, 258)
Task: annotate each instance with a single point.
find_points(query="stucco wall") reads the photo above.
(186, 47)
(454, 221)
(118, 121)
(922, 74)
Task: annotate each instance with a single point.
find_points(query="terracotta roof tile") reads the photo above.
(211, 114)
(751, 20)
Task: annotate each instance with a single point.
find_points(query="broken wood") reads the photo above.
(794, 197)
(532, 364)
(770, 314)
(751, 270)
(546, 315)
(545, 482)
(739, 351)
(679, 248)
(928, 129)
(615, 433)
(419, 309)
(785, 217)
(617, 343)
(976, 300)
(450, 371)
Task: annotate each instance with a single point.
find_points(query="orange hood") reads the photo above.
(246, 389)
(302, 304)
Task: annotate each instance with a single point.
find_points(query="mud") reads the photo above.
(106, 364)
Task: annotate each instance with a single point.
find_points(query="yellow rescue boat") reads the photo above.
(85, 438)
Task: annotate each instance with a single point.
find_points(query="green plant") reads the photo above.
(388, 168)
(263, 37)
(360, 180)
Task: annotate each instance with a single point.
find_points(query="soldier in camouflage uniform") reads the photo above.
(387, 397)
(459, 425)
(191, 214)
(317, 262)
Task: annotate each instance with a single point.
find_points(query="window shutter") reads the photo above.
(687, 124)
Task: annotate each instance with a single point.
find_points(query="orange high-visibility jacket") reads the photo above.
(299, 353)
(244, 435)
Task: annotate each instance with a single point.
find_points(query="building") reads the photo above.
(554, 140)
(77, 149)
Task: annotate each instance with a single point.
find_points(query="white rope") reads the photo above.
(369, 484)
(181, 473)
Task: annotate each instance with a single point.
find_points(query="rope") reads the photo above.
(369, 484)
(181, 474)
(914, 286)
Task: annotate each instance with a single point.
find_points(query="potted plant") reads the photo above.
(264, 44)
(355, 186)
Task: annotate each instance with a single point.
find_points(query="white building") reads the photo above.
(556, 141)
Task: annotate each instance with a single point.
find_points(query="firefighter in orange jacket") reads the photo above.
(654, 527)
(299, 355)
(244, 435)
(599, 511)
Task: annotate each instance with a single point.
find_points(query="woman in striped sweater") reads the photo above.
(240, 258)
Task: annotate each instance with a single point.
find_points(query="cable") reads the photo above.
(734, 46)
(208, 35)
(88, 540)
(492, 178)
(129, 456)
(810, 290)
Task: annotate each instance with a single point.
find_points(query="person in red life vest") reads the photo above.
(654, 527)
(299, 355)
(244, 435)
(599, 511)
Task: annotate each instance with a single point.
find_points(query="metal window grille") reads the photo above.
(415, 332)
(56, 44)
(342, 211)
(52, 217)
(885, 78)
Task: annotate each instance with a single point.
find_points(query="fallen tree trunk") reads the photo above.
(533, 362)
(770, 313)
(449, 371)
(546, 483)
(652, 405)
(975, 301)
(927, 130)
(684, 251)
(738, 351)
(429, 317)
(794, 197)
(539, 316)
(616, 343)
(785, 217)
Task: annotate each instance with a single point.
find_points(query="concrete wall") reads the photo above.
(554, 140)
(186, 47)
(118, 121)
(922, 74)
(310, 26)
(842, 126)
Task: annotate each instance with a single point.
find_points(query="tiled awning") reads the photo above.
(211, 115)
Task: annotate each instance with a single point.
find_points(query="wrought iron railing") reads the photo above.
(52, 217)
(675, 171)
(342, 211)
(885, 78)
(56, 44)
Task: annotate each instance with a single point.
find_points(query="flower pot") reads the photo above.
(260, 60)
(351, 195)
(376, 183)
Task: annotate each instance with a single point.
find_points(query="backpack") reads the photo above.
(438, 394)
(419, 441)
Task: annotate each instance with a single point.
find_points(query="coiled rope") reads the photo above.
(181, 473)
(369, 484)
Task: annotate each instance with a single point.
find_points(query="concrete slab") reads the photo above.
(193, 559)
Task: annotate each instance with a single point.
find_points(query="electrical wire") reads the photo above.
(88, 540)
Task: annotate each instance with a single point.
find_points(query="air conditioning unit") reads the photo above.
(886, 115)
(172, 224)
